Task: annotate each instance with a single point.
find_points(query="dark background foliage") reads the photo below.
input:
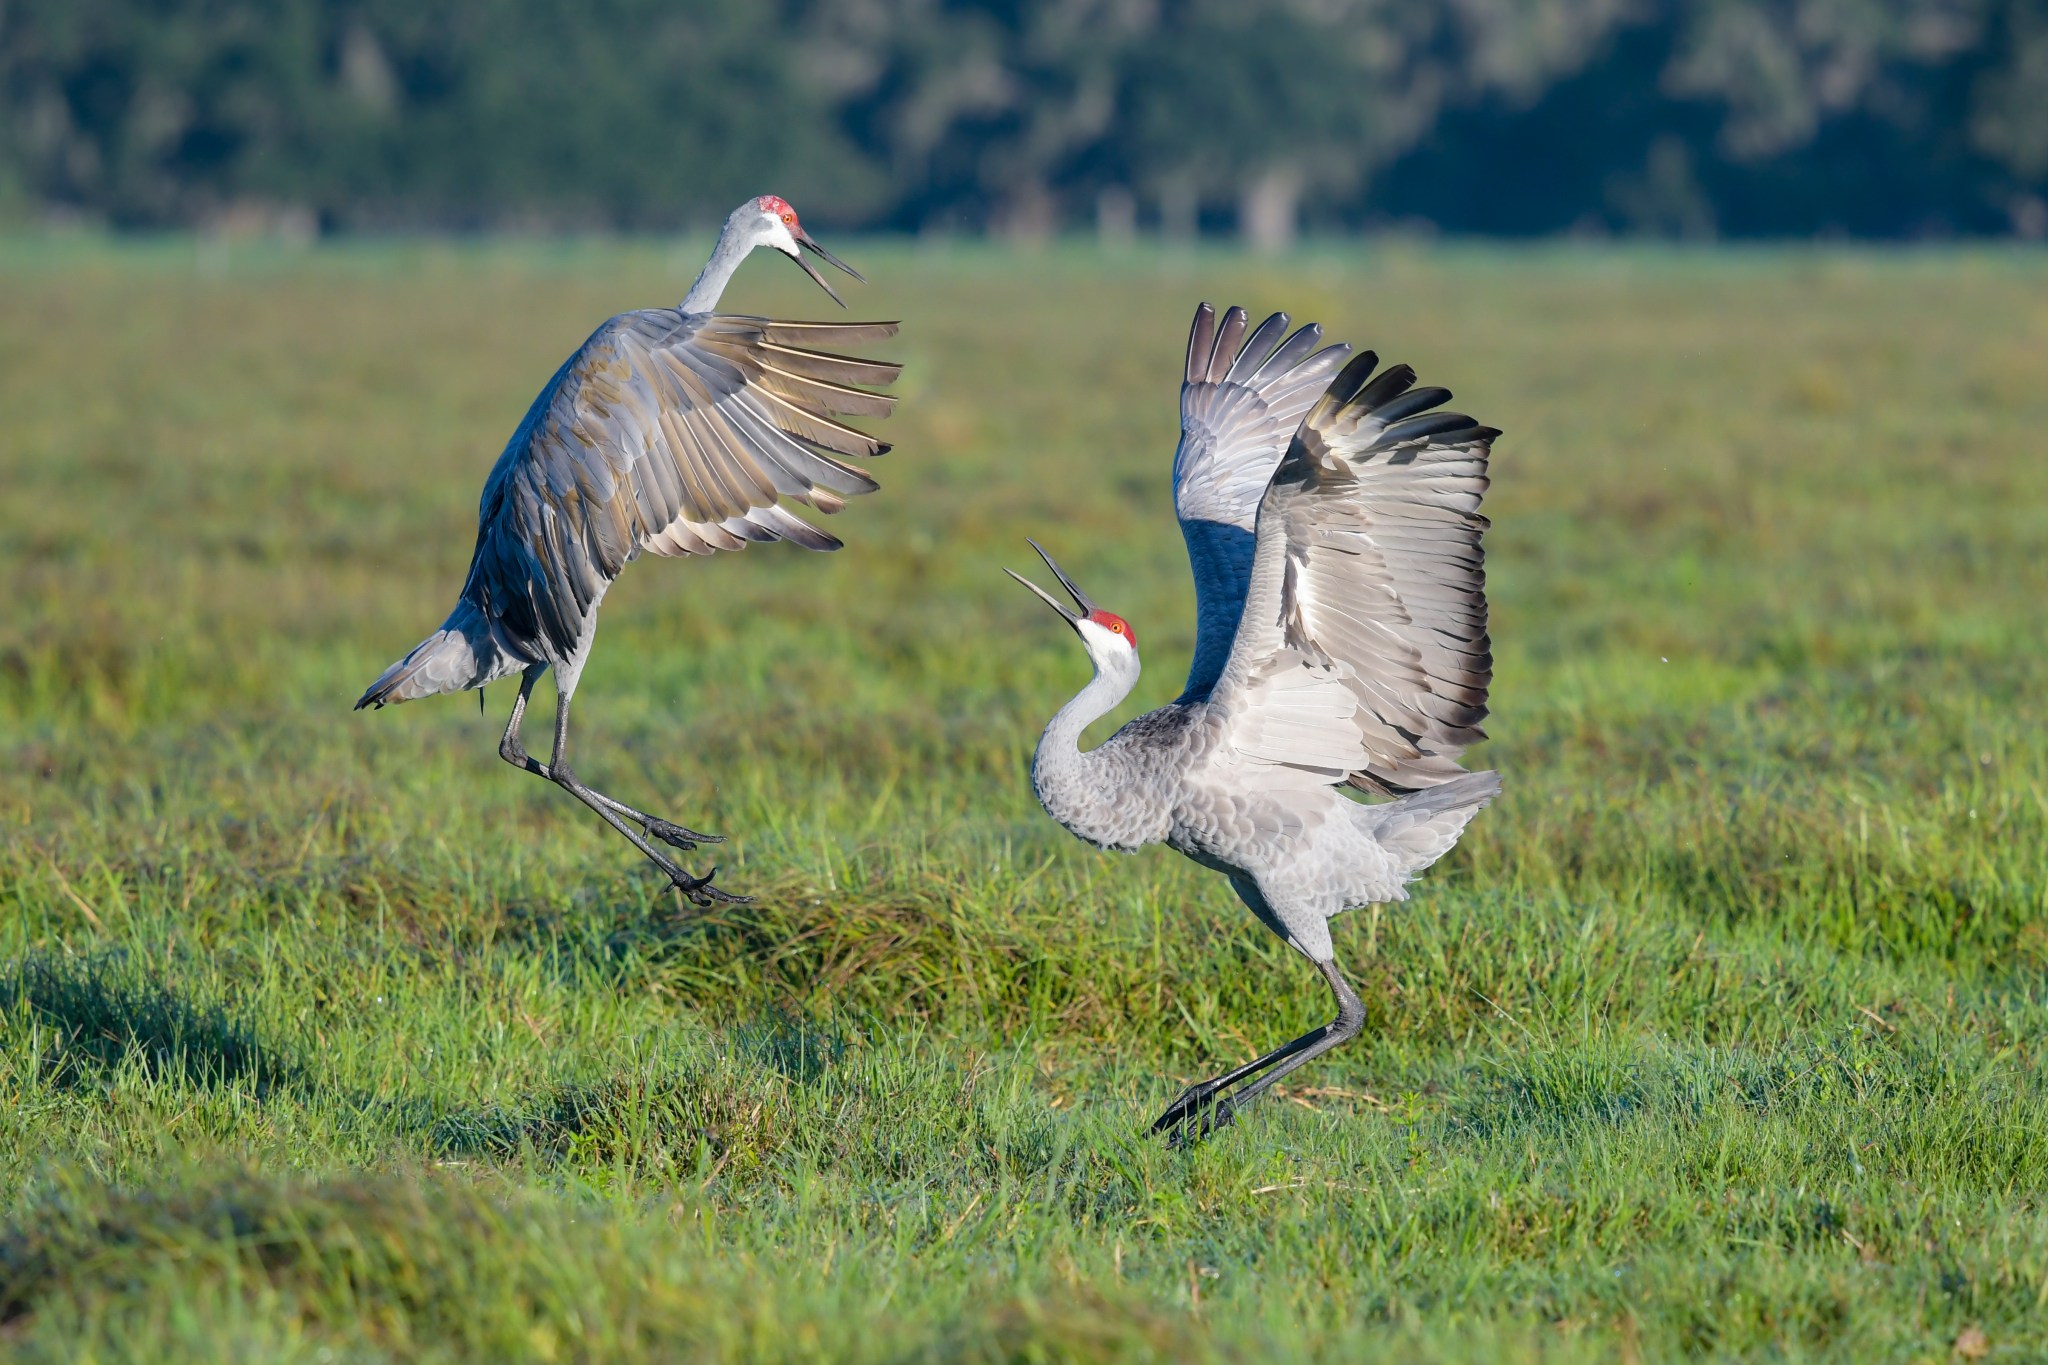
(1887, 118)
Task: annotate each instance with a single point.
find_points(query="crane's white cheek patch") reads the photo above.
(1103, 642)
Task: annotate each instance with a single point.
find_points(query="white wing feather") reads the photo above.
(1361, 654)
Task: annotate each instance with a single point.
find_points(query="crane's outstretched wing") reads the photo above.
(1238, 407)
(675, 433)
(1362, 654)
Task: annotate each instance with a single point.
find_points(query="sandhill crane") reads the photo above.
(674, 431)
(1332, 523)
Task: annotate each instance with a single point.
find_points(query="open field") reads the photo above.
(329, 1036)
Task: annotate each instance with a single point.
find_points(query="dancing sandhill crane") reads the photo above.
(1332, 523)
(673, 431)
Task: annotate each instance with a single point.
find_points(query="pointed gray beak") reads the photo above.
(1071, 617)
(809, 243)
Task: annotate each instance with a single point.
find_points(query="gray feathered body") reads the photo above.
(1296, 856)
(1332, 525)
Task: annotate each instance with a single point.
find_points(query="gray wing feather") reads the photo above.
(1239, 404)
(675, 434)
(1362, 654)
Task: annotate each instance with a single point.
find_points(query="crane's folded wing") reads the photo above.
(1368, 567)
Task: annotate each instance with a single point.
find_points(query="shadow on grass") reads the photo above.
(100, 1017)
(655, 1121)
(799, 1048)
(878, 948)
(1557, 1090)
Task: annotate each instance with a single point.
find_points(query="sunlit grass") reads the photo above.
(1718, 1034)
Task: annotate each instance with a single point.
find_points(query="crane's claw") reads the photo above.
(1194, 1115)
(1201, 1125)
(677, 836)
(703, 894)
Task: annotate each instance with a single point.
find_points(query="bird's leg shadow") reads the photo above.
(699, 890)
(1202, 1108)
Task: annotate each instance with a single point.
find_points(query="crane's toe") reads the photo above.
(677, 836)
(703, 894)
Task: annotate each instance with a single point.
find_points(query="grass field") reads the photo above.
(328, 1036)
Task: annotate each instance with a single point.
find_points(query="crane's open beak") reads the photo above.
(1071, 617)
(808, 243)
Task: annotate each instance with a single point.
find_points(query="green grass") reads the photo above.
(329, 1036)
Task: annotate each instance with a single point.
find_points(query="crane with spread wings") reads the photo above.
(1332, 522)
(670, 431)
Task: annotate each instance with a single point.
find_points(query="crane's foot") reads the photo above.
(1194, 1115)
(676, 836)
(1217, 1115)
(1189, 1100)
(702, 894)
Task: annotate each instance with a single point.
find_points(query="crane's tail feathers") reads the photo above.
(443, 662)
(1421, 828)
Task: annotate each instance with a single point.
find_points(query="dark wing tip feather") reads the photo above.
(1352, 378)
(1410, 403)
(1427, 425)
(1390, 384)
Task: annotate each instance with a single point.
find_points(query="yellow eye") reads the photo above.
(789, 218)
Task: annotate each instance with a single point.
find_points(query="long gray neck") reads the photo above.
(725, 259)
(1083, 791)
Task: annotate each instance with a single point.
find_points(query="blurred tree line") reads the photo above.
(1742, 117)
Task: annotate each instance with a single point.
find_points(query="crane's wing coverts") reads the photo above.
(1240, 401)
(674, 433)
(1362, 654)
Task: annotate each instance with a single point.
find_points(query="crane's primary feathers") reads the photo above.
(674, 431)
(1332, 525)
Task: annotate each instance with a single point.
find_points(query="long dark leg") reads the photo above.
(1203, 1108)
(513, 752)
(556, 770)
